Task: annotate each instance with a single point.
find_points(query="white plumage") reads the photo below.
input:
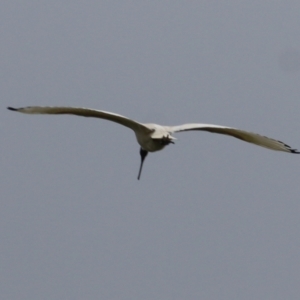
(153, 137)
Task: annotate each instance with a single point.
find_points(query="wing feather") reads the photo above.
(84, 112)
(246, 136)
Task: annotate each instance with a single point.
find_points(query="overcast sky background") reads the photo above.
(212, 217)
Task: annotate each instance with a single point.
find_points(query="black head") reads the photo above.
(143, 154)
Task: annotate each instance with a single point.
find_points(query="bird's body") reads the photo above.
(157, 138)
(154, 137)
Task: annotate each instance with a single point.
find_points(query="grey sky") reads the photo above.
(212, 217)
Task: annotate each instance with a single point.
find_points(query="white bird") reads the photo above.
(153, 137)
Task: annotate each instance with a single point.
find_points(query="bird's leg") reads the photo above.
(166, 140)
(143, 154)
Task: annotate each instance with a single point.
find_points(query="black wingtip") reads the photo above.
(295, 151)
(11, 108)
(289, 149)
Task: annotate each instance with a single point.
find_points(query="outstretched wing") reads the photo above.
(84, 112)
(246, 136)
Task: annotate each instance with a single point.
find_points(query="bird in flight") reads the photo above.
(154, 137)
